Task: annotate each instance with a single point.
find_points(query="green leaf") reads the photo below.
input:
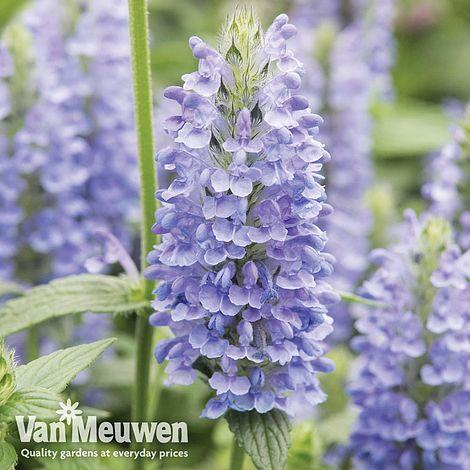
(8, 457)
(351, 298)
(55, 371)
(264, 437)
(10, 288)
(71, 295)
(34, 401)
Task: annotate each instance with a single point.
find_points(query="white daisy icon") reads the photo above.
(69, 411)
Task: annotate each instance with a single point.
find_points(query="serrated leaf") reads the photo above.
(264, 437)
(34, 401)
(56, 370)
(70, 295)
(10, 288)
(8, 457)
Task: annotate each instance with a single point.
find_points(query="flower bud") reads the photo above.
(7, 375)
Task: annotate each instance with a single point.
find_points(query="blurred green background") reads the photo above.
(432, 72)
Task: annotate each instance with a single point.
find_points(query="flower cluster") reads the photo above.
(102, 40)
(241, 264)
(349, 174)
(51, 148)
(412, 383)
(443, 178)
(77, 146)
(379, 18)
(446, 185)
(73, 152)
(348, 54)
(12, 185)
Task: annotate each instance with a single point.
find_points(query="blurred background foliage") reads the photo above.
(430, 76)
(432, 82)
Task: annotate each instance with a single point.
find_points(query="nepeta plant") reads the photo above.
(242, 265)
(411, 383)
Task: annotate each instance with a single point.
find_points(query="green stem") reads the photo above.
(237, 457)
(157, 388)
(140, 54)
(143, 117)
(32, 344)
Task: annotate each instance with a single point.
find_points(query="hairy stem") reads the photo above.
(143, 117)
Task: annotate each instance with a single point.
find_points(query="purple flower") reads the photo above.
(447, 176)
(347, 59)
(243, 141)
(241, 264)
(77, 142)
(414, 355)
(11, 186)
(443, 178)
(212, 67)
(72, 155)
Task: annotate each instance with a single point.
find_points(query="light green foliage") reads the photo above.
(8, 456)
(33, 401)
(10, 289)
(33, 389)
(55, 371)
(71, 295)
